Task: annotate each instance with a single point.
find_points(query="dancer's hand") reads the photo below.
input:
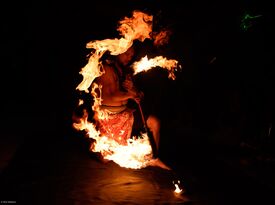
(137, 96)
(128, 83)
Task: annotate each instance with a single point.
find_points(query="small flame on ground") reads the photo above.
(177, 190)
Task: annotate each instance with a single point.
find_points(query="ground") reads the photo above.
(47, 168)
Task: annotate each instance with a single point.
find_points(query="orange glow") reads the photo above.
(80, 102)
(137, 153)
(162, 37)
(138, 27)
(146, 64)
(177, 190)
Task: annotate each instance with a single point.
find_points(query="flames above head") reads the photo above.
(137, 153)
(137, 27)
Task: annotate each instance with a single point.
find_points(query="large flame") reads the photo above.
(146, 64)
(137, 153)
(138, 27)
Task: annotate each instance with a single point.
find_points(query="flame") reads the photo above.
(138, 27)
(137, 153)
(84, 124)
(80, 102)
(146, 64)
(162, 37)
(177, 190)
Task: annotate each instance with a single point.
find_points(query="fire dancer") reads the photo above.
(118, 94)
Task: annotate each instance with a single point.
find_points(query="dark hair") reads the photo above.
(107, 57)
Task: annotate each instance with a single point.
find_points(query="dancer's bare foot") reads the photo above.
(158, 163)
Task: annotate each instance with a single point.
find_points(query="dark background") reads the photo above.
(227, 73)
(222, 98)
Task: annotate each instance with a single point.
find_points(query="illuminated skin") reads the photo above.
(112, 95)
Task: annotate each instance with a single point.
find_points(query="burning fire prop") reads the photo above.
(177, 190)
(137, 153)
(146, 64)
